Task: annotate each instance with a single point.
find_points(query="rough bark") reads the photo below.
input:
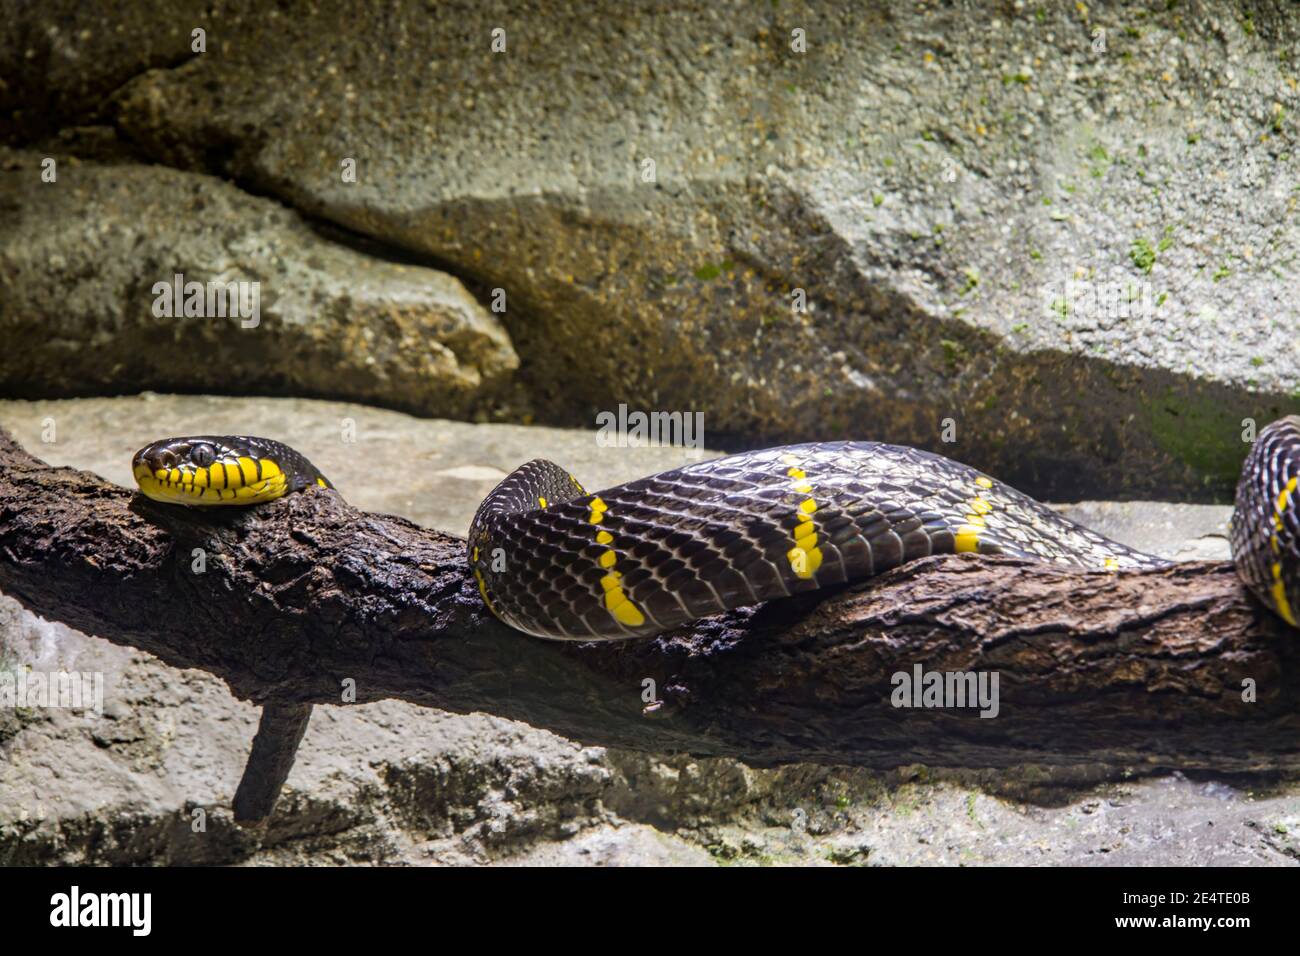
(305, 598)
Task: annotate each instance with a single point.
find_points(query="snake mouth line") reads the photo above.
(200, 486)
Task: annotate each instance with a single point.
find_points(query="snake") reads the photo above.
(555, 561)
(222, 470)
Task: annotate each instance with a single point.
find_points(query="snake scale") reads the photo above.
(555, 561)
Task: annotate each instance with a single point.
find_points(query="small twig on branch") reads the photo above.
(297, 597)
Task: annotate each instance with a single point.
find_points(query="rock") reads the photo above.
(1066, 234)
(634, 845)
(393, 783)
(88, 263)
(61, 58)
(151, 780)
(1175, 531)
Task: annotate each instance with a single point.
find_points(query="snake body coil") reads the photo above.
(552, 560)
(653, 554)
(1265, 533)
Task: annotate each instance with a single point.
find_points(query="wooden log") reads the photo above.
(307, 600)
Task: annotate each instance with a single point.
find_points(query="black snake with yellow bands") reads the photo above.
(553, 560)
(222, 470)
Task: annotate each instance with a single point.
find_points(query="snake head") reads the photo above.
(209, 470)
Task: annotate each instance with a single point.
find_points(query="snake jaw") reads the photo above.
(161, 489)
(189, 491)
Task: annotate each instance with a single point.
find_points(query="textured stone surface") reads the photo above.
(1180, 532)
(79, 258)
(63, 58)
(394, 783)
(930, 176)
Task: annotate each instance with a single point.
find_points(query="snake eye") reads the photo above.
(202, 455)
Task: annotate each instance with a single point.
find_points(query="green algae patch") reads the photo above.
(1143, 256)
(709, 271)
(1202, 433)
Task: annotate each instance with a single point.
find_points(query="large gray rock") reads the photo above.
(79, 312)
(393, 783)
(931, 177)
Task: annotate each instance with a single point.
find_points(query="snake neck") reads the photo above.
(535, 486)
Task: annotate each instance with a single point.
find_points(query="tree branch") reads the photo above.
(301, 600)
(274, 748)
